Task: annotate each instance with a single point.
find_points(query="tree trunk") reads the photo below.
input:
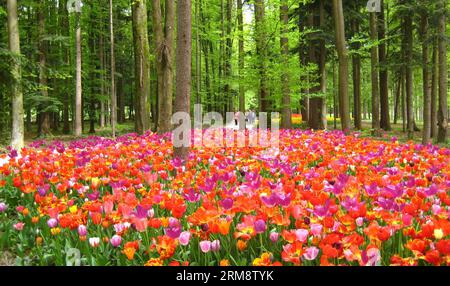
(261, 50)
(121, 95)
(384, 89)
(374, 76)
(315, 120)
(113, 72)
(227, 63)
(241, 60)
(443, 76)
(183, 64)
(409, 74)
(426, 84)
(303, 61)
(44, 129)
(66, 59)
(142, 66)
(101, 56)
(286, 116)
(198, 55)
(78, 88)
(398, 97)
(164, 52)
(343, 65)
(356, 63)
(17, 131)
(434, 90)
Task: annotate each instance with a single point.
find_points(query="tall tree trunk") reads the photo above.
(164, 51)
(64, 23)
(44, 129)
(434, 90)
(113, 72)
(198, 56)
(142, 66)
(121, 94)
(322, 102)
(261, 50)
(384, 89)
(17, 131)
(303, 61)
(403, 94)
(101, 56)
(315, 103)
(374, 76)
(183, 64)
(206, 52)
(443, 76)
(240, 14)
(397, 103)
(227, 63)
(426, 135)
(343, 65)
(78, 86)
(286, 116)
(409, 74)
(356, 63)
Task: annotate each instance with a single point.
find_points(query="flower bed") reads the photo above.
(323, 199)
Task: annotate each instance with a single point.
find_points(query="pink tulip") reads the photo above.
(302, 235)
(19, 226)
(52, 223)
(3, 207)
(360, 221)
(215, 245)
(116, 240)
(205, 246)
(184, 238)
(407, 219)
(82, 230)
(373, 257)
(274, 236)
(436, 209)
(316, 229)
(311, 253)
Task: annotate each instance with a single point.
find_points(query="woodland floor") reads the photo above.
(128, 127)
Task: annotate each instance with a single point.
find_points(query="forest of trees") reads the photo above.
(332, 61)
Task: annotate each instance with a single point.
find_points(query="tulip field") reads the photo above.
(322, 198)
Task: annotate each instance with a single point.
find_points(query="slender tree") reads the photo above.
(227, 57)
(408, 39)
(113, 72)
(142, 66)
(356, 66)
(240, 16)
(44, 122)
(164, 55)
(443, 75)
(426, 134)
(64, 23)
(383, 70)
(343, 64)
(374, 76)
(286, 116)
(78, 85)
(261, 51)
(434, 90)
(17, 131)
(183, 65)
